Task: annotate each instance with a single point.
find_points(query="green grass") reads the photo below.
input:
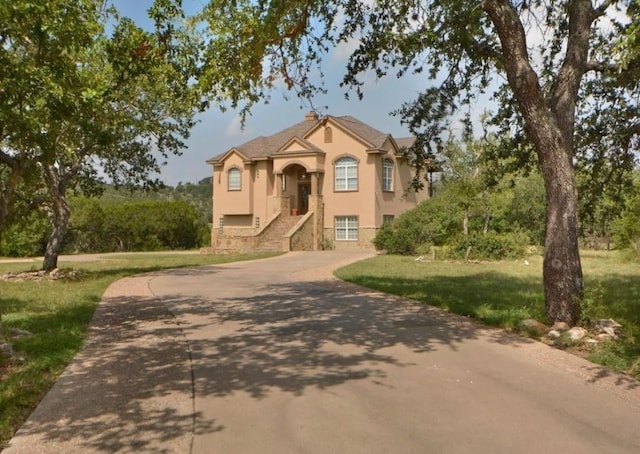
(504, 293)
(58, 314)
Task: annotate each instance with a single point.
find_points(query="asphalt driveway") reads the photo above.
(276, 356)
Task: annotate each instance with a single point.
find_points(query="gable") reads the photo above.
(298, 145)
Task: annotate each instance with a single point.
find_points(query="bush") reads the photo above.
(26, 237)
(490, 246)
(430, 223)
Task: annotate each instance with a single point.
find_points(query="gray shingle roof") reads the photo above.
(265, 146)
(363, 130)
(405, 142)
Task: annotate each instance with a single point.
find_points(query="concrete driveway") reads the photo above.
(276, 356)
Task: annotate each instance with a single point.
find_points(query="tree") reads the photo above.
(88, 103)
(465, 48)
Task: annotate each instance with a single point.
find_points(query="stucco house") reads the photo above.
(326, 182)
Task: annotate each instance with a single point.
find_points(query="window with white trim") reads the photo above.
(346, 178)
(234, 177)
(346, 228)
(387, 175)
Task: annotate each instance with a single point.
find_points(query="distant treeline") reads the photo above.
(121, 220)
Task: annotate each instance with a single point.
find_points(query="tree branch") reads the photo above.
(600, 10)
(601, 67)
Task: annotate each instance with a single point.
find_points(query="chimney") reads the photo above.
(311, 116)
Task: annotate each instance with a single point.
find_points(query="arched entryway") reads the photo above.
(296, 184)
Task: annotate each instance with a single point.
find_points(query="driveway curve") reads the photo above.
(277, 356)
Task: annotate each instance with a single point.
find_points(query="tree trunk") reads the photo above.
(487, 219)
(59, 218)
(562, 271)
(465, 222)
(54, 244)
(550, 125)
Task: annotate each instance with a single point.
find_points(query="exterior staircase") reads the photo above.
(272, 238)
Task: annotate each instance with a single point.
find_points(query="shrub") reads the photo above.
(490, 246)
(26, 237)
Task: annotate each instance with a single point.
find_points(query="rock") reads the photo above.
(17, 333)
(534, 327)
(608, 331)
(561, 326)
(591, 342)
(554, 334)
(603, 337)
(6, 350)
(577, 333)
(54, 274)
(608, 323)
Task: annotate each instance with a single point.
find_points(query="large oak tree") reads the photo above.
(87, 95)
(549, 62)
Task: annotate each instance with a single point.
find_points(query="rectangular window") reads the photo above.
(387, 219)
(235, 180)
(346, 228)
(346, 177)
(387, 175)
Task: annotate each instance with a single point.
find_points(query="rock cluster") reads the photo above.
(39, 275)
(561, 333)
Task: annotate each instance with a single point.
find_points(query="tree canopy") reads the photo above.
(86, 94)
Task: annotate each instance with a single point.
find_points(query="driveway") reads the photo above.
(276, 356)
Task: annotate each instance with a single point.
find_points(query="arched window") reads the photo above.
(346, 174)
(328, 135)
(234, 182)
(387, 174)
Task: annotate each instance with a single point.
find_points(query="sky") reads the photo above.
(217, 132)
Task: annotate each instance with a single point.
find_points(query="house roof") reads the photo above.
(265, 146)
(405, 142)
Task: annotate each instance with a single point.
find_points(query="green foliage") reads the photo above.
(503, 220)
(489, 246)
(89, 95)
(626, 228)
(430, 223)
(593, 304)
(26, 237)
(135, 226)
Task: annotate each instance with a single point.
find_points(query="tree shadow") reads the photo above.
(493, 297)
(130, 388)
(299, 335)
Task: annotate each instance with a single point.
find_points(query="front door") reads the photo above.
(304, 189)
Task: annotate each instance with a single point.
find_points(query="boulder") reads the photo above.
(603, 337)
(608, 323)
(554, 334)
(561, 326)
(577, 333)
(534, 327)
(609, 331)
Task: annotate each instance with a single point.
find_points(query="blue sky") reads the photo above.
(217, 132)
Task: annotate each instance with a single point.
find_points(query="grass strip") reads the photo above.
(504, 293)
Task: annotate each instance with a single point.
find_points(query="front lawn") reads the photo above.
(504, 293)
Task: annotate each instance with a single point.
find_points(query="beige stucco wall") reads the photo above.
(369, 203)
